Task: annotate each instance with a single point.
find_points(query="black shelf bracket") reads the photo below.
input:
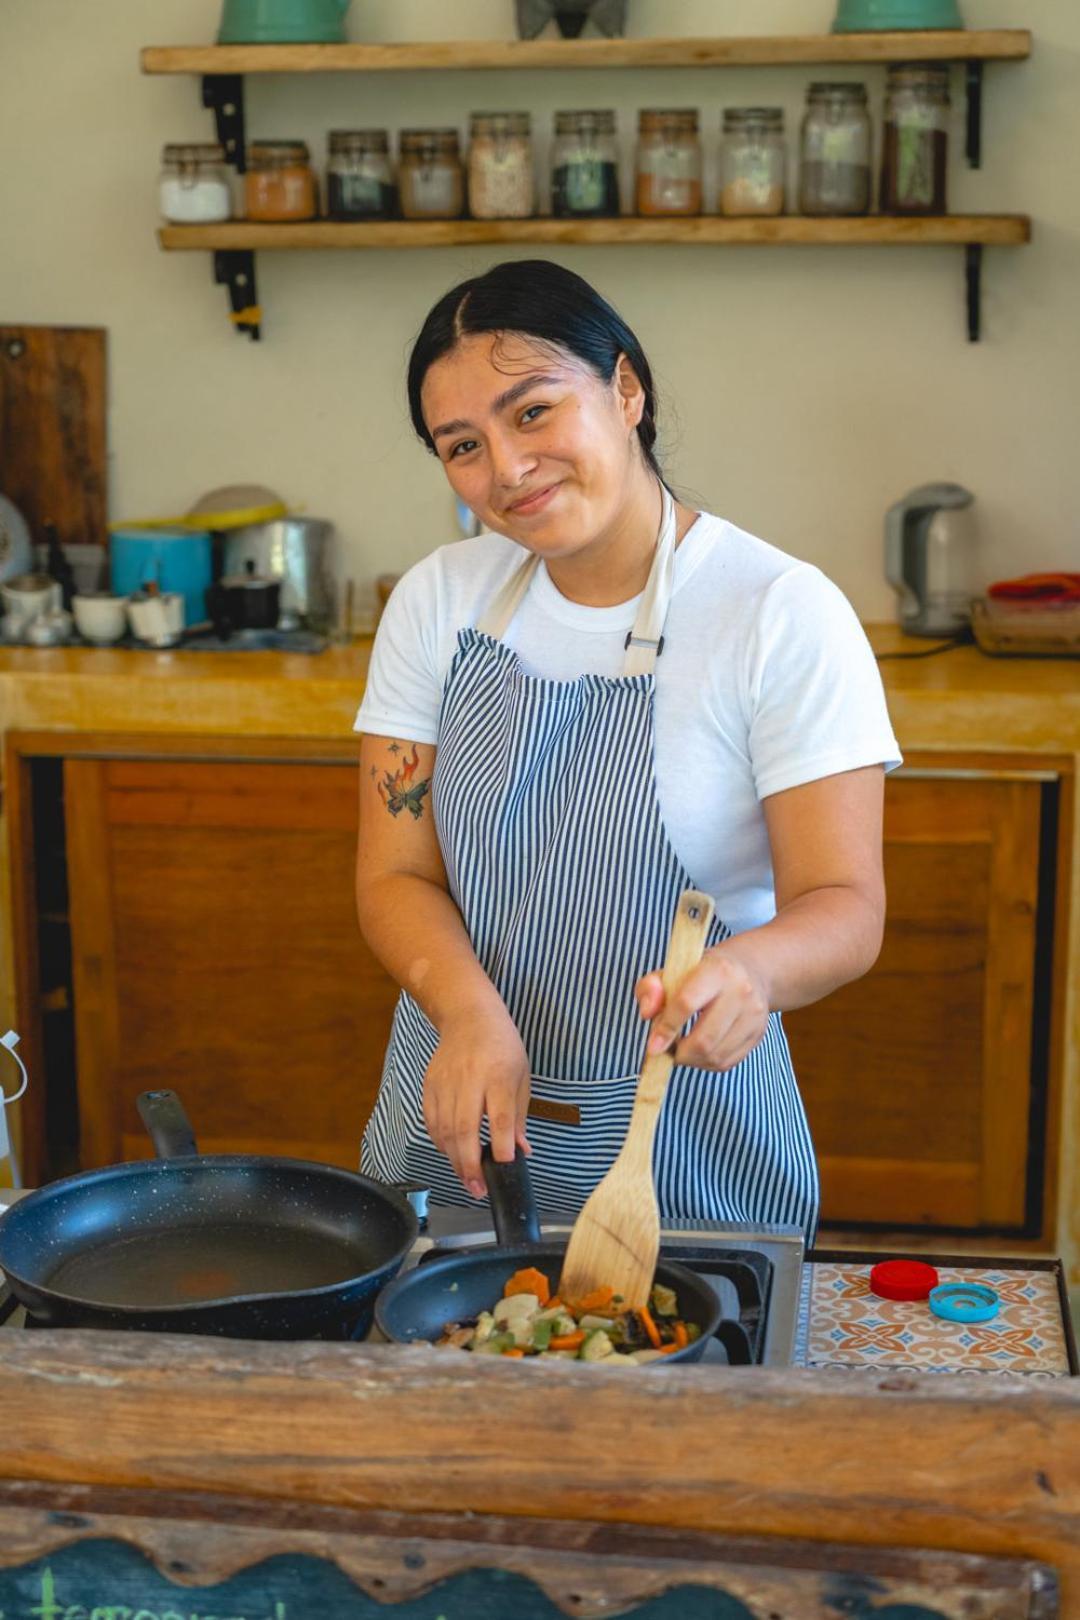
(224, 93)
(974, 114)
(236, 271)
(973, 255)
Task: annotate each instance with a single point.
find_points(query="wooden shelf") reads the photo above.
(974, 45)
(955, 230)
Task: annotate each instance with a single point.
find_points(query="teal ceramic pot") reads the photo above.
(282, 22)
(867, 16)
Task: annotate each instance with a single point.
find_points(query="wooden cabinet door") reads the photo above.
(918, 1078)
(216, 951)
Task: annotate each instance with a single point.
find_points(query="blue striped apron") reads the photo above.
(558, 859)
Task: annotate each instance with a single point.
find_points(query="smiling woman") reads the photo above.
(605, 698)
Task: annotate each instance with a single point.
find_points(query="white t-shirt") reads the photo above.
(766, 681)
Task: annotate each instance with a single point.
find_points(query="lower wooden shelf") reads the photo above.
(235, 243)
(956, 230)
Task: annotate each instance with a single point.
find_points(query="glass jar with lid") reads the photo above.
(916, 147)
(194, 184)
(280, 183)
(834, 167)
(431, 181)
(668, 162)
(502, 182)
(585, 166)
(360, 175)
(753, 161)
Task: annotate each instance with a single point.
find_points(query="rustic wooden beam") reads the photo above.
(974, 1465)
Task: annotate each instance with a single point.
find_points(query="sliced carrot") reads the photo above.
(665, 1349)
(598, 1300)
(568, 1341)
(555, 1304)
(529, 1281)
(515, 1355)
(645, 1318)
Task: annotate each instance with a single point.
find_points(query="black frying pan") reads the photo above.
(233, 1244)
(419, 1304)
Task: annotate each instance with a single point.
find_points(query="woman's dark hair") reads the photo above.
(540, 300)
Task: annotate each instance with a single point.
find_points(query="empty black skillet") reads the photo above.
(233, 1244)
(455, 1288)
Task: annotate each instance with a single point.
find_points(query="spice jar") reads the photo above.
(431, 183)
(753, 161)
(359, 175)
(584, 166)
(194, 185)
(501, 178)
(834, 169)
(668, 162)
(280, 183)
(915, 156)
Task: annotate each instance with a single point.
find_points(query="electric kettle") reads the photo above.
(930, 558)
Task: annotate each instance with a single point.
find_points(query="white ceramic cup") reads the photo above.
(27, 597)
(100, 616)
(157, 620)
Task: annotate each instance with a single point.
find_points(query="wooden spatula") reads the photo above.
(616, 1237)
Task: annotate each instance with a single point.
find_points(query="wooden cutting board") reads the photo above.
(52, 429)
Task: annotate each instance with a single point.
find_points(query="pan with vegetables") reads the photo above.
(502, 1300)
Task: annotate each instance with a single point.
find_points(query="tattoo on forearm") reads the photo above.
(397, 789)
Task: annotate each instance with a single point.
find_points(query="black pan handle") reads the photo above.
(162, 1113)
(736, 1341)
(512, 1203)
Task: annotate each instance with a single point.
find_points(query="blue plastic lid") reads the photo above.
(964, 1302)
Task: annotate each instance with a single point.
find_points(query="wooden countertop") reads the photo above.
(959, 699)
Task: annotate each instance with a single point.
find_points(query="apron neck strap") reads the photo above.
(645, 641)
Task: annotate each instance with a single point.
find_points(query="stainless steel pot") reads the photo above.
(300, 553)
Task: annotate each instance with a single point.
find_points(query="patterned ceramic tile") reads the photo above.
(842, 1324)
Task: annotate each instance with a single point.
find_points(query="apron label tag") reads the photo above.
(558, 1113)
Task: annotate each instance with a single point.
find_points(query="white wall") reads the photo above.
(803, 389)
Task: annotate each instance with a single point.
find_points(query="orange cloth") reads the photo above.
(1039, 588)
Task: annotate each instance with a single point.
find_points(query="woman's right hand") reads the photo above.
(480, 1068)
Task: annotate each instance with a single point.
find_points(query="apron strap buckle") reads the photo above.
(643, 641)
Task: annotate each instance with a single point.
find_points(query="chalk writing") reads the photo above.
(51, 1607)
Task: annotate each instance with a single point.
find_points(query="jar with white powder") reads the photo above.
(194, 185)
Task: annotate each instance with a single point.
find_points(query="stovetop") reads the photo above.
(755, 1270)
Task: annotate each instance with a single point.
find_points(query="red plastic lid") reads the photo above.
(902, 1279)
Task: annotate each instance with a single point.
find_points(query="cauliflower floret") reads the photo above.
(518, 1305)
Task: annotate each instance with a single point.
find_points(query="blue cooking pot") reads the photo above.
(173, 559)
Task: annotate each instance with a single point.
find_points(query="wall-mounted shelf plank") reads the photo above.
(943, 45)
(955, 230)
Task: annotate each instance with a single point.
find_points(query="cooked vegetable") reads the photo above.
(598, 1300)
(650, 1327)
(529, 1281)
(663, 1300)
(529, 1321)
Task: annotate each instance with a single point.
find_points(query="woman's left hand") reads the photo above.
(732, 998)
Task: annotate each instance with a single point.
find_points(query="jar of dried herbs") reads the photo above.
(834, 168)
(916, 147)
(585, 166)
